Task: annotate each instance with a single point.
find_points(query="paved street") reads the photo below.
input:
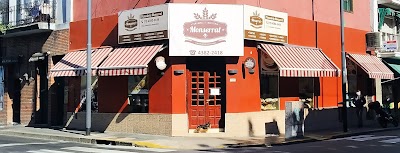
(369, 143)
(375, 142)
(24, 145)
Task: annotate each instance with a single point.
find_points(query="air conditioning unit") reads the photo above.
(374, 40)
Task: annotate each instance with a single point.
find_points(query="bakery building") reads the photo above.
(227, 64)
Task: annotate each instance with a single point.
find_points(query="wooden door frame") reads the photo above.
(189, 102)
(215, 108)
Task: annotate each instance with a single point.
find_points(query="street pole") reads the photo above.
(395, 99)
(344, 70)
(89, 69)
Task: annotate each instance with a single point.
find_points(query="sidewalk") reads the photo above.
(155, 141)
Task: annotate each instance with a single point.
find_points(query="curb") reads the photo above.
(49, 137)
(307, 140)
(150, 145)
(142, 144)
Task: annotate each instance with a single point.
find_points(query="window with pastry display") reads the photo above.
(269, 83)
(138, 91)
(94, 102)
(306, 92)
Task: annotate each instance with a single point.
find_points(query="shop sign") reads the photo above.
(265, 25)
(143, 24)
(390, 45)
(205, 30)
(215, 91)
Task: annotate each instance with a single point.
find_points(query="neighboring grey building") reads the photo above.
(385, 27)
(388, 14)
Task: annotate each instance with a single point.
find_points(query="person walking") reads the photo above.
(359, 102)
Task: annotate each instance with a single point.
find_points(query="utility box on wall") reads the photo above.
(373, 40)
(294, 119)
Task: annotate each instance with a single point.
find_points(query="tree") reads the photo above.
(4, 10)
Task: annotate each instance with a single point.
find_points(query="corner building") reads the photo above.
(239, 69)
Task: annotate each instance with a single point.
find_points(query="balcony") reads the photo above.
(395, 4)
(36, 15)
(390, 43)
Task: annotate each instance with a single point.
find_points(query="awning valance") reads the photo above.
(295, 61)
(372, 65)
(74, 63)
(129, 60)
(394, 64)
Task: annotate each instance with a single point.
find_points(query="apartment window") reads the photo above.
(348, 5)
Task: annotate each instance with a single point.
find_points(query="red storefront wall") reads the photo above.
(168, 94)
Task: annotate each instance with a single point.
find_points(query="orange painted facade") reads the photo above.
(301, 32)
(168, 92)
(102, 8)
(244, 94)
(104, 32)
(320, 11)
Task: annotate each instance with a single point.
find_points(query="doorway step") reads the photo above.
(211, 130)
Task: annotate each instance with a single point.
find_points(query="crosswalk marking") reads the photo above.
(47, 151)
(137, 148)
(373, 138)
(24, 144)
(351, 138)
(100, 149)
(391, 140)
(94, 150)
(362, 138)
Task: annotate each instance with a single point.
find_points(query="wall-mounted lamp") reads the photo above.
(250, 63)
(232, 72)
(37, 57)
(178, 72)
(160, 63)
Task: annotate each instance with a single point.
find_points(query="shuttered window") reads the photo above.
(348, 5)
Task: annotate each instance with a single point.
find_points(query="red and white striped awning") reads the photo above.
(372, 65)
(301, 61)
(129, 61)
(74, 63)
